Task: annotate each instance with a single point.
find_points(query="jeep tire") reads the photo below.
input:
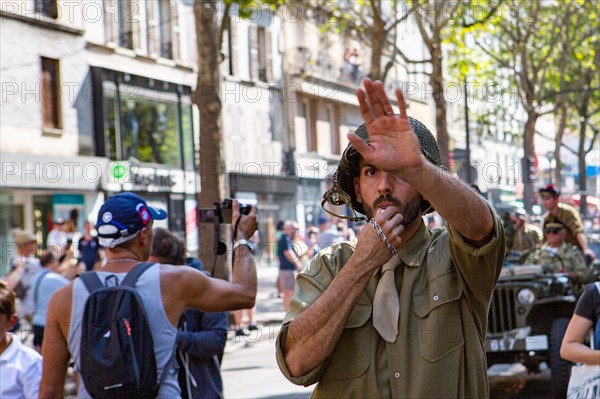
(561, 368)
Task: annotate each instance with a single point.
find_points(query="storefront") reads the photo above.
(171, 189)
(37, 190)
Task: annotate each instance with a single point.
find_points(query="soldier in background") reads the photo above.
(526, 238)
(568, 215)
(560, 256)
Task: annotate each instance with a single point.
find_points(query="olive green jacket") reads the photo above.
(445, 287)
(568, 258)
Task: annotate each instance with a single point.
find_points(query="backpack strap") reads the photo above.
(36, 291)
(91, 281)
(134, 274)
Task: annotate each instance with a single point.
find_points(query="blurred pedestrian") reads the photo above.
(328, 233)
(20, 366)
(23, 267)
(88, 246)
(366, 317)
(44, 284)
(568, 215)
(202, 335)
(125, 227)
(288, 263)
(57, 237)
(526, 238)
(311, 242)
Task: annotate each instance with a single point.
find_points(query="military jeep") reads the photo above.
(528, 317)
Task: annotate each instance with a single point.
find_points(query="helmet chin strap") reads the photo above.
(355, 216)
(340, 197)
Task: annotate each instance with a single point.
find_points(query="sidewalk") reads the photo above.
(269, 307)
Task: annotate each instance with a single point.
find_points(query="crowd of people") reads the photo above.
(364, 300)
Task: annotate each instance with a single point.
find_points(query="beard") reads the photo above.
(410, 210)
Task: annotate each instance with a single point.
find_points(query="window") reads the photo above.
(262, 54)
(47, 8)
(308, 112)
(125, 13)
(50, 92)
(259, 53)
(332, 118)
(149, 125)
(165, 29)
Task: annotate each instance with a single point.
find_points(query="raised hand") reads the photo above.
(394, 147)
(248, 224)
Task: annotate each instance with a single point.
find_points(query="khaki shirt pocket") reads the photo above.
(438, 311)
(351, 356)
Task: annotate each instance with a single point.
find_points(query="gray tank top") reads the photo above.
(163, 332)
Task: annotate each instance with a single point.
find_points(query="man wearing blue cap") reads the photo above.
(125, 228)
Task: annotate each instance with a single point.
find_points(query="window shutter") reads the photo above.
(151, 34)
(50, 95)
(269, 55)
(110, 22)
(233, 55)
(253, 56)
(175, 31)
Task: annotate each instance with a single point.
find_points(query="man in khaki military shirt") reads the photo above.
(568, 215)
(402, 311)
(527, 237)
(560, 256)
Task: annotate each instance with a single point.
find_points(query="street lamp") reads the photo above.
(550, 156)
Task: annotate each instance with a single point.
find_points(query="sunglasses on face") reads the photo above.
(553, 231)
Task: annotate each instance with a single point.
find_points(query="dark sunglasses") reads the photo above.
(553, 231)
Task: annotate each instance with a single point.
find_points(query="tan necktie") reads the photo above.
(386, 304)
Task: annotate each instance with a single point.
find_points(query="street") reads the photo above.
(250, 371)
(249, 368)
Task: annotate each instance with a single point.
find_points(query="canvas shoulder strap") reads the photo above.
(36, 292)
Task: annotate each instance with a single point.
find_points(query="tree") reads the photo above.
(580, 103)
(525, 42)
(212, 18)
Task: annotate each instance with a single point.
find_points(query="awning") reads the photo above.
(575, 199)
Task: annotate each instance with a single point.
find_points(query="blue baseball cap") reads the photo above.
(122, 216)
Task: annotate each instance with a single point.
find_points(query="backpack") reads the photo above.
(117, 351)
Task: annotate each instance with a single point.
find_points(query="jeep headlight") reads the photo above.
(525, 296)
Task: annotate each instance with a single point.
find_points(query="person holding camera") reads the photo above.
(124, 227)
(402, 303)
(202, 335)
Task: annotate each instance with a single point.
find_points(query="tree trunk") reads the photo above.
(378, 41)
(206, 97)
(562, 124)
(437, 85)
(583, 115)
(529, 147)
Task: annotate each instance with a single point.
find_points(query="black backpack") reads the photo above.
(117, 352)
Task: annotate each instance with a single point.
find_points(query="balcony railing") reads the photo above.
(325, 67)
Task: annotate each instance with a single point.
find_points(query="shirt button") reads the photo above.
(436, 298)
(397, 374)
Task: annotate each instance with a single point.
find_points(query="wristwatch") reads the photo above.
(249, 244)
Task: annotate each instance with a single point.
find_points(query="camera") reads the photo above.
(221, 212)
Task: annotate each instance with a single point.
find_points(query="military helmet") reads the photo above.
(342, 191)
